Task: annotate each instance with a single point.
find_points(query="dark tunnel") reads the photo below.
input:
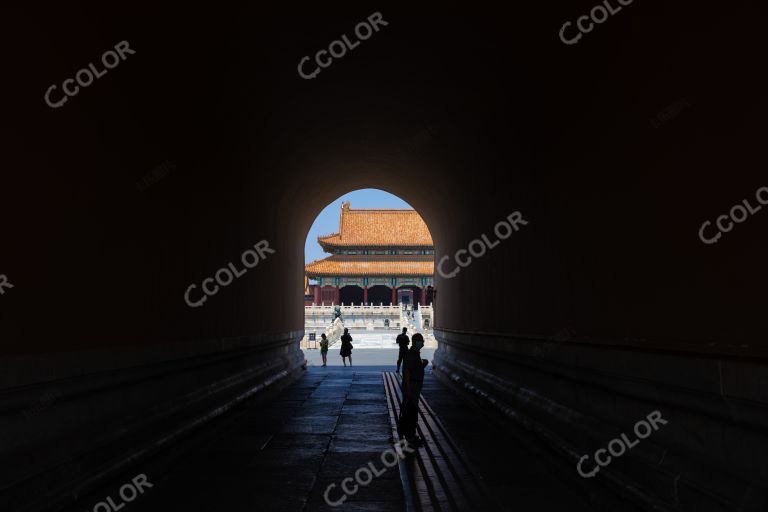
(598, 210)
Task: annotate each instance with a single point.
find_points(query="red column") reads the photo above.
(317, 295)
(394, 296)
(365, 295)
(423, 296)
(338, 295)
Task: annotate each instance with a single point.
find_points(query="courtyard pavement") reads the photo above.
(386, 358)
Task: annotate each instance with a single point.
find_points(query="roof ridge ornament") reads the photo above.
(344, 208)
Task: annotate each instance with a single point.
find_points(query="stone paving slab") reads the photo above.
(344, 464)
(311, 425)
(349, 444)
(370, 418)
(379, 490)
(298, 394)
(363, 431)
(274, 459)
(333, 400)
(356, 401)
(354, 395)
(306, 441)
(364, 409)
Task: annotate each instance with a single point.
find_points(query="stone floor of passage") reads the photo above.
(282, 454)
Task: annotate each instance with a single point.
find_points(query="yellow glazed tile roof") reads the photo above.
(367, 265)
(401, 228)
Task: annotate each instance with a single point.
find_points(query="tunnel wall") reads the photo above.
(63, 435)
(576, 397)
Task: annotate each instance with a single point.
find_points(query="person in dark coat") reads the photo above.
(346, 347)
(324, 349)
(413, 380)
(403, 341)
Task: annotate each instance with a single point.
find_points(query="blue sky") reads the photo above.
(328, 220)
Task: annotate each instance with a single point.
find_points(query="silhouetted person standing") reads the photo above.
(403, 341)
(413, 380)
(346, 347)
(324, 349)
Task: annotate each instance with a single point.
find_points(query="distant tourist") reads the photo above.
(403, 341)
(413, 380)
(324, 349)
(346, 347)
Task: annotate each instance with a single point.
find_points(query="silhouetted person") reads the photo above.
(346, 347)
(413, 380)
(403, 341)
(324, 349)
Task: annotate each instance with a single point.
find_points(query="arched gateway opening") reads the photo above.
(370, 262)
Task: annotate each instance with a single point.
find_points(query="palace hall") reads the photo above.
(377, 257)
